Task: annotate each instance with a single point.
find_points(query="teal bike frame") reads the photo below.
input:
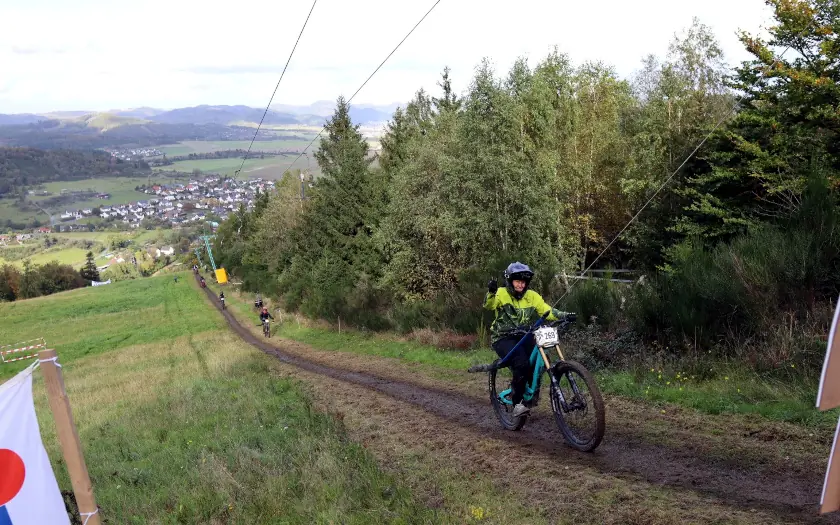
(533, 386)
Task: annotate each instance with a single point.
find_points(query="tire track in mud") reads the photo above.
(789, 496)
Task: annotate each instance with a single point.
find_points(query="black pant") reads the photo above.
(520, 365)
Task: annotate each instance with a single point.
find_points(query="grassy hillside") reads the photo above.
(106, 121)
(181, 422)
(186, 147)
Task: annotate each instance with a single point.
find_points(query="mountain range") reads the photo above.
(281, 114)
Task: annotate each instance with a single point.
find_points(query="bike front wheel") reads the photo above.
(579, 412)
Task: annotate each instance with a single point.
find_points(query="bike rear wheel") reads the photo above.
(583, 402)
(499, 381)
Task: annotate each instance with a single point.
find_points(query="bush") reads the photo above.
(35, 281)
(330, 283)
(595, 301)
(740, 293)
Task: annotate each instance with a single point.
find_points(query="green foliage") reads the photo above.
(125, 271)
(739, 290)
(756, 169)
(595, 302)
(37, 280)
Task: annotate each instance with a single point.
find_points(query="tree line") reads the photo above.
(548, 163)
(34, 280)
(23, 167)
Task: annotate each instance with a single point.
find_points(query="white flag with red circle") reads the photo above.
(29, 493)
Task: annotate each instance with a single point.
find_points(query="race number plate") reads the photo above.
(546, 336)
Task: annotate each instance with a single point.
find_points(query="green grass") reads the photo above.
(88, 236)
(208, 146)
(72, 256)
(269, 167)
(733, 392)
(8, 210)
(64, 255)
(98, 319)
(181, 422)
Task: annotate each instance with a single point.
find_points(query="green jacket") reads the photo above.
(511, 313)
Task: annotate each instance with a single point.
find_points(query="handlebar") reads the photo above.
(527, 329)
(523, 331)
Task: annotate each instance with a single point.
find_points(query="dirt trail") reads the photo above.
(790, 494)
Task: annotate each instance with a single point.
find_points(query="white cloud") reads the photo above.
(98, 55)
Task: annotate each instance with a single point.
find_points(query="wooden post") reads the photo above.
(71, 446)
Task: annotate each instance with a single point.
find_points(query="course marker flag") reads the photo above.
(29, 493)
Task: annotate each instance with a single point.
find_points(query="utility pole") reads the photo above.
(206, 239)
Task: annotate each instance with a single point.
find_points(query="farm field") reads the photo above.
(182, 422)
(209, 146)
(75, 257)
(267, 168)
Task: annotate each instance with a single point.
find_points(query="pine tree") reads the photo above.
(89, 271)
(449, 101)
(756, 169)
(347, 200)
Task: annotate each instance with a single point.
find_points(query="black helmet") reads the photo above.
(518, 272)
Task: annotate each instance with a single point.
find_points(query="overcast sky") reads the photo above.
(106, 54)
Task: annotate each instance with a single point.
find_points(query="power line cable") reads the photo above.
(275, 89)
(302, 153)
(645, 205)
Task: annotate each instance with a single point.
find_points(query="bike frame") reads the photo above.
(532, 386)
(539, 360)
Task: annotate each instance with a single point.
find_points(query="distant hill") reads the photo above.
(94, 132)
(143, 113)
(60, 115)
(223, 115)
(145, 126)
(325, 108)
(106, 121)
(314, 114)
(20, 119)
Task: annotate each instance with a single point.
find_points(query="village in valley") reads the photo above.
(209, 199)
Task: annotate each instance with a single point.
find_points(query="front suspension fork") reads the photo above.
(554, 382)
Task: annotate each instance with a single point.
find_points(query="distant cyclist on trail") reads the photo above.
(265, 315)
(515, 305)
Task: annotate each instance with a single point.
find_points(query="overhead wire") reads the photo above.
(302, 153)
(662, 186)
(305, 22)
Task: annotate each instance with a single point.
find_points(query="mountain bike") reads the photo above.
(266, 328)
(222, 299)
(570, 383)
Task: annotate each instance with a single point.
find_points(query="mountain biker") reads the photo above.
(515, 305)
(258, 302)
(222, 296)
(265, 315)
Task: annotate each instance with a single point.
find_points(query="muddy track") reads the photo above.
(789, 496)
